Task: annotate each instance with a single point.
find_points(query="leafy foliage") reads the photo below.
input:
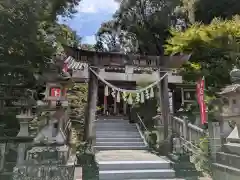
(214, 48)
(139, 26)
(205, 10)
(77, 96)
(108, 35)
(65, 35)
(200, 157)
(29, 36)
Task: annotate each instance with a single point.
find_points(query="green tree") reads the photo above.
(140, 25)
(205, 11)
(77, 96)
(107, 36)
(214, 48)
(28, 38)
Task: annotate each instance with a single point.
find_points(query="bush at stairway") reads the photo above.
(77, 97)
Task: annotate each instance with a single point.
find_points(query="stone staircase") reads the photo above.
(121, 153)
(118, 135)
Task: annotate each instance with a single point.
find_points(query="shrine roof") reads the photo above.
(229, 89)
(121, 59)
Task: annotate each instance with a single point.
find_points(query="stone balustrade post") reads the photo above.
(21, 153)
(2, 155)
(214, 138)
(185, 129)
(1, 129)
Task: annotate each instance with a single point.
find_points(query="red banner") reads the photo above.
(65, 67)
(200, 99)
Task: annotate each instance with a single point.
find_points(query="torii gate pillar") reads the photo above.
(164, 102)
(165, 112)
(89, 131)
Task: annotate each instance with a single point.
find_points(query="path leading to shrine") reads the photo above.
(122, 153)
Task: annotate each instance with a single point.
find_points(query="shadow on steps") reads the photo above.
(89, 166)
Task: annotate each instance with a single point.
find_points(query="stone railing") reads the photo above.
(187, 136)
(186, 130)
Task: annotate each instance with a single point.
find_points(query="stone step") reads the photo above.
(100, 148)
(228, 159)
(119, 132)
(114, 128)
(112, 121)
(119, 139)
(118, 126)
(159, 179)
(136, 174)
(111, 134)
(120, 144)
(232, 148)
(132, 165)
(115, 125)
(223, 172)
(118, 135)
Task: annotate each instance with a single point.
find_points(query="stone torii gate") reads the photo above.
(97, 60)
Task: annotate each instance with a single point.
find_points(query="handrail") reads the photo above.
(196, 128)
(190, 125)
(139, 118)
(178, 119)
(188, 142)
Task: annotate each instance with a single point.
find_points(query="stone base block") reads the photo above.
(223, 172)
(228, 159)
(232, 148)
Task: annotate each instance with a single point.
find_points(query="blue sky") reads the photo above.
(91, 13)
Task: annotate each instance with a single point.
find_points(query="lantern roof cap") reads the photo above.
(229, 89)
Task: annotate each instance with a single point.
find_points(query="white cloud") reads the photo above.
(97, 6)
(89, 39)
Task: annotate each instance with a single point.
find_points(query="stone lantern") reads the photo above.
(48, 156)
(227, 165)
(25, 115)
(230, 110)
